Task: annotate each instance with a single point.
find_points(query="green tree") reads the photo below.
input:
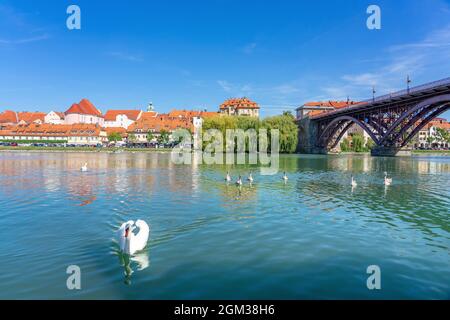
(150, 136)
(163, 137)
(370, 144)
(288, 131)
(358, 142)
(285, 123)
(114, 137)
(131, 138)
(345, 145)
(442, 135)
(430, 140)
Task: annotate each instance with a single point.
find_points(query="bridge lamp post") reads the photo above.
(408, 81)
(373, 93)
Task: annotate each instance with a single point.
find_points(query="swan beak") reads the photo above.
(127, 231)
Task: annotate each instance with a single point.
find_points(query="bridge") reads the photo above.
(391, 120)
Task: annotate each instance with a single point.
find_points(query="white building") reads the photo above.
(121, 118)
(54, 117)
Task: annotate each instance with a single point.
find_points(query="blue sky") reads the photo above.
(196, 54)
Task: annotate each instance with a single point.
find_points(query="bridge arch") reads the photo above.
(336, 129)
(414, 120)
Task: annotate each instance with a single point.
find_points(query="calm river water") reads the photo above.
(313, 237)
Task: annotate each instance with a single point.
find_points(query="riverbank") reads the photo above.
(414, 152)
(81, 149)
(431, 152)
(131, 150)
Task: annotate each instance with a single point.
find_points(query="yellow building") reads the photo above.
(240, 107)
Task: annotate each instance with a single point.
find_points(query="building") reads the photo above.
(156, 125)
(170, 122)
(77, 134)
(428, 137)
(311, 109)
(240, 107)
(121, 118)
(31, 117)
(84, 112)
(54, 117)
(190, 114)
(8, 118)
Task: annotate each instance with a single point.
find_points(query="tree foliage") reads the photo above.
(114, 137)
(163, 137)
(150, 136)
(131, 137)
(285, 123)
(356, 143)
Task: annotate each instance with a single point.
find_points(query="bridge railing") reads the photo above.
(422, 87)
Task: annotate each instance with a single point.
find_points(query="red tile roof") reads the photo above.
(120, 130)
(52, 130)
(149, 114)
(8, 116)
(111, 115)
(30, 117)
(84, 107)
(189, 114)
(161, 122)
(239, 103)
(332, 104)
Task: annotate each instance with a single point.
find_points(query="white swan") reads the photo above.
(84, 167)
(387, 181)
(239, 181)
(130, 242)
(250, 178)
(285, 177)
(228, 177)
(354, 184)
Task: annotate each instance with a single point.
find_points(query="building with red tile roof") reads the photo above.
(119, 130)
(81, 134)
(54, 117)
(189, 114)
(240, 107)
(121, 118)
(31, 117)
(310, 109)
(429, 136)
(84, 112)
(8, 117)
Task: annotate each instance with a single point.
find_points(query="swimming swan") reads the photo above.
(228, 177)
(354, 184)
(84, 168)
(387, 181)
(250, 178)
(285, 177)
(239, 181)
(130, 242)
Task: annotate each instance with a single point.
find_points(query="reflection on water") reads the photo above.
(312, 236)
(140, 261)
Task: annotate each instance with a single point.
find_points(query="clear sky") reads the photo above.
(196, 54)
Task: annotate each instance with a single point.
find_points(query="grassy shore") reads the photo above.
(440, 152)
(82, 149)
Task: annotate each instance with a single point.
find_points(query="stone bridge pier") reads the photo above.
(307, 137)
